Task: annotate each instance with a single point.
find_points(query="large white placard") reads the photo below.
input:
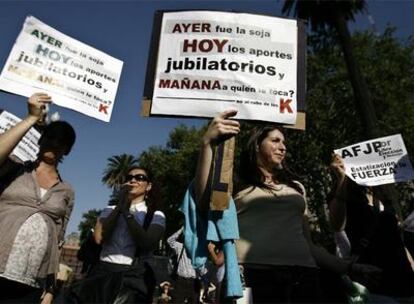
(27, 148)
(378, 161)
(211, 61)
(76, 75)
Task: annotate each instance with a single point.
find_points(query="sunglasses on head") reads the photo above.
(137, 177)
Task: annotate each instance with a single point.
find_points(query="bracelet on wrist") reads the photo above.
(51, 289)
(128, 216)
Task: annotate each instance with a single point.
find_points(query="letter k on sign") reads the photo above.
(284, 105)
(103, 108)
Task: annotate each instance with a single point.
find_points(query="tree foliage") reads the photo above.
(87, 222)
(388, 64)
(117, 169)
(332, 121)
(115, 172)
(331, 16)
(173, 168)
(322, 14)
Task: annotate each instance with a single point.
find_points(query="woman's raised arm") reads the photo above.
(337, 204)
(10, 138)
(221, 128)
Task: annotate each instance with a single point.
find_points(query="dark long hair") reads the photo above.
(152, 198)
(250, 173)
(357, 194)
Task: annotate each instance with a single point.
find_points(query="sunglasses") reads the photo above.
(137, 177)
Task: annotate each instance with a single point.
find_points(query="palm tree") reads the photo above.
(335, 14)
(116, 170)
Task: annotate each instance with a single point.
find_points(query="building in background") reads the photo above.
(69, 256)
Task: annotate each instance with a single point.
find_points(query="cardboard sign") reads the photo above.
(378, 161)
(204, 62)
(76, 75)
(27, 148)
(222, 183)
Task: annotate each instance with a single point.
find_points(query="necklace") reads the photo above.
(273, 185)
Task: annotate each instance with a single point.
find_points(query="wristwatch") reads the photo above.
(129, 216)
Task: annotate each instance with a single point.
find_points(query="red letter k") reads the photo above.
(284, 104)
(103, 108)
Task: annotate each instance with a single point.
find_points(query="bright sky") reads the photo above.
(122, 29)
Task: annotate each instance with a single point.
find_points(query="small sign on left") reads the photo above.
(27, 148)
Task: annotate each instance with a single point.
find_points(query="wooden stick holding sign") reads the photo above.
(254, 64)
(222, 184)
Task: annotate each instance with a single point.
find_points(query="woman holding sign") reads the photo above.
(280, 261)
(364, 217)
(35, 205)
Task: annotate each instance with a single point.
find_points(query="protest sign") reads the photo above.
(207, 61)
(76, 75)
(378, 161)
(27, 148)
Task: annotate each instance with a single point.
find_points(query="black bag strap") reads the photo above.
(175, 269)
(147, 221)
(148, 218)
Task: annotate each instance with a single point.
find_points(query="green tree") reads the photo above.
(173, 167)
(336, 14)
(117, 169)
(328, 15)
(388, 63)
(87, 222)
(115, 172)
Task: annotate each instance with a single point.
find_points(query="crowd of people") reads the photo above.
(280, 262)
